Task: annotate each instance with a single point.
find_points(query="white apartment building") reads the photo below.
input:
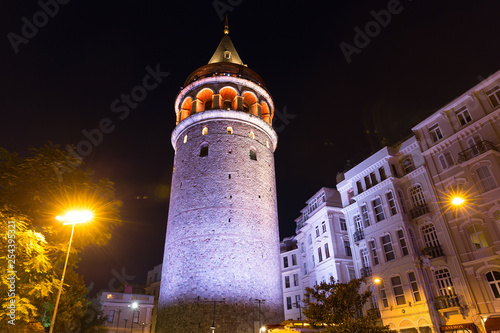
(153, 288)
(127, 312)
(322, 250)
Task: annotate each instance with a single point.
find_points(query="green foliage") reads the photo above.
(33, 190)
(338, 308)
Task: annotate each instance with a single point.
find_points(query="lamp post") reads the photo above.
(72, 217)
(260, 323)
(133, 306)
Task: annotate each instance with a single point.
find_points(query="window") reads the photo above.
(381, 172)
(430, 236)
(383, 296)
(485, 178)
(388, 250)
(359, 186)
(373, 178)
(475, 144)
(287, 282)
(327, 251)
(111, 316)
(135, 318)
(320, 255)
(373, 249)
(446, 160)
(229, 130)
(204, 150)
(407, 165)
(397, 287)
(402, 202)
(377, 208)
(317, 231)
(463, 116)
(494, 96)
(297, 301)
(185, 138)
(402, 242)
(253, 155)
(305, 269)
(204, 131)
(302, 247)
(285, 262)
(366, 218)
(252, 135)
(435, 132)
(366, 257)
(295, 280)
(323, 226)
(347, 248)
(444, 283)
(414, 287)
(309, 239)
(312, 260)
(392, 203)
(477, 237)
(367, 182)
(417, 196)
(294, 260)
(358, 225)
(352, 274)
(494, 281)
(289, 303)
(343, 225)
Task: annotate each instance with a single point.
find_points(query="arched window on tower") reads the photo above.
(253, 155)
(204, 131)
(229, 130)
(204, 149)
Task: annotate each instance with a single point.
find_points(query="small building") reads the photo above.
(153, 288)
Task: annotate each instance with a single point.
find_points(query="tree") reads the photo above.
(33, 190)
(338, 307)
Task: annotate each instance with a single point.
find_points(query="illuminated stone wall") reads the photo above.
(222, 240)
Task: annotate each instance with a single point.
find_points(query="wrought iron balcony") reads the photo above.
(446, 302)
(433, 251)
(359, 235)
(419, 211)
(477, 149)
(366, 272)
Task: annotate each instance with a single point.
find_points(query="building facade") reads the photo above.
(223, 224)
(153, 280)
(127, 312)
(291, 279)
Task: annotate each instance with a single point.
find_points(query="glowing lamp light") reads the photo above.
(457, 201)
(377, 280)
(75, 217)
(134, 305)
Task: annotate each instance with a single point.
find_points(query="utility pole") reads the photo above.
(215, 302)
(260, 322)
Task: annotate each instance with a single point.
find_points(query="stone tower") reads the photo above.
(222, 263)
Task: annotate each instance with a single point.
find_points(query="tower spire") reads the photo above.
(226, 27)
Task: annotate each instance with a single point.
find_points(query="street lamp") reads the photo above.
(260, 323)
(457, 201)
(71, 217)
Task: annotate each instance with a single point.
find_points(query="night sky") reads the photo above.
(62, 79)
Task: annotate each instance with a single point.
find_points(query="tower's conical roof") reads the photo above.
(226, 52)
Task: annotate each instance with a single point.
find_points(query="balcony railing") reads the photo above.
(476, 150)
(359, 235)
(366, 272)
(433, 251)
(446, 302)
(419, 211)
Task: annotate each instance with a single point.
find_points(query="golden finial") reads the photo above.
(226, 27)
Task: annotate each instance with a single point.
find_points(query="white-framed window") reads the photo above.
(417, 196)
(397, 288)
(475, 144)
(378, 209)
(352, 274)
(368, 183)
(302, 247)
(414, 287)
(407, 164)
(446, 160)
(463, 116)
(402, 243)
(327, 251)
(477, 237)
(309, 239)
(287, 281)
(323, 227)
(294, 260)
(305, 268)
(135, 318)
(365, 256)
(285, 261)
(343, 224)
(383, 296)
(435, 133)
(493, 278)
(320, 255)
(358, 224)
(382, 174)
(317, 231)
(366, 217)
(444, 282)
(388, 249)
(429, 235)
(312, 260)
(373, 250)
(402, 202)
(392, 203)
(347, 248)
(494, 96)
(373, 178)
(295, 279)
(485, 178)
(359, 186)
(289, 303)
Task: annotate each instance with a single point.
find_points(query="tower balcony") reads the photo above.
(476, 150)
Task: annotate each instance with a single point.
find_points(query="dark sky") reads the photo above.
(64, 77)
